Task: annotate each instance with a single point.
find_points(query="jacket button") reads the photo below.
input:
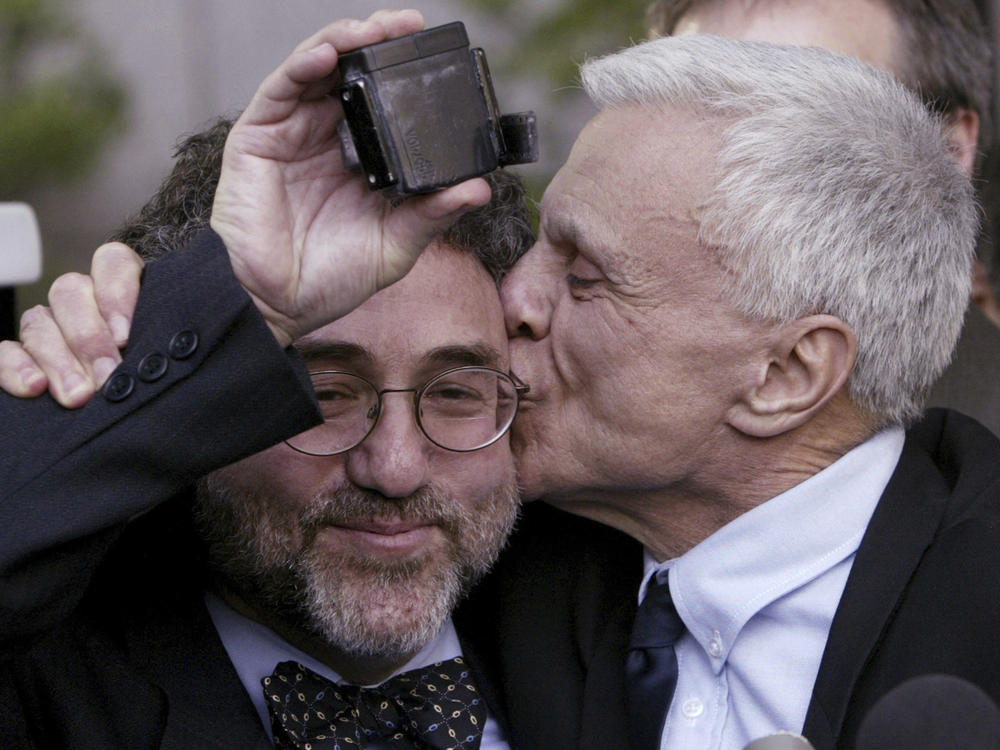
(183, 344)
(152, 367)
(118, 387)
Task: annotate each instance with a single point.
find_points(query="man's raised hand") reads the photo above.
(306, 238)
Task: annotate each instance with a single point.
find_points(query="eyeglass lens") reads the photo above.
(460, 410)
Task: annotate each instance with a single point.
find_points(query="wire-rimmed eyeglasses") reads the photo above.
(462, 409)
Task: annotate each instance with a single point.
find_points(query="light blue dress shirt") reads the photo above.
(255, 650)
(758, 598)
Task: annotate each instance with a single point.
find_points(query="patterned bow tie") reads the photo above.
(431, 708)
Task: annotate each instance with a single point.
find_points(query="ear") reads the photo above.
(962, 129)
(809, 363)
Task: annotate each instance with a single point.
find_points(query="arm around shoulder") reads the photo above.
(187, 398)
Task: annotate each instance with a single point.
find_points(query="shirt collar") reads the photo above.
(775, 548)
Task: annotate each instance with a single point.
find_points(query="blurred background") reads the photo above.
(95, 93)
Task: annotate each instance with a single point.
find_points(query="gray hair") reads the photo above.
(497, 234)
(835, 194)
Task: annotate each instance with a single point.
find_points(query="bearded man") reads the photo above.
(350, 488)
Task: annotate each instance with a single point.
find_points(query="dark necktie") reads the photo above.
(651, 666)
(432, 708)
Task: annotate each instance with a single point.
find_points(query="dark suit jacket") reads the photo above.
(105, 641)
(923, 597)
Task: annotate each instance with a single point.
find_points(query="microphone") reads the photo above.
(780, 741)
(931, 712)
(21, 249)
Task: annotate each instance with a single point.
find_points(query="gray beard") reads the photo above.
(357, 604)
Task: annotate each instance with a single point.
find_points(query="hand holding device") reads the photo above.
(306, 238)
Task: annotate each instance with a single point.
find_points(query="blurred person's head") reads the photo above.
(939, 48)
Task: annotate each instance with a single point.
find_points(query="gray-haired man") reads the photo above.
(942, 50)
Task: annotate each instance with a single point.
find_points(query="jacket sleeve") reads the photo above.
(202, 384)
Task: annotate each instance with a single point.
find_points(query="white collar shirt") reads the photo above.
(255, 650)
(758, 598)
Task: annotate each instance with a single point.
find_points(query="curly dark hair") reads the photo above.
(497, 234)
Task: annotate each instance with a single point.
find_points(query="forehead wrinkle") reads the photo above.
(652, 201)
(476, 354)
(569, 223)
(557, 221)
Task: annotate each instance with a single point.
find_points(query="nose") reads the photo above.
(393, 460)
(526, 296)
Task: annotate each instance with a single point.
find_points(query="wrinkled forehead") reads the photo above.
(444, 313)
(666, 143)
(634, 170)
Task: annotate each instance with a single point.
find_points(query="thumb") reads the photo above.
(414, 223)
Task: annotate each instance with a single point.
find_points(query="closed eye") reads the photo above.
(575, 282)
(450, 392)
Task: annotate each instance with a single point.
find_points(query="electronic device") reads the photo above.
(420, 114)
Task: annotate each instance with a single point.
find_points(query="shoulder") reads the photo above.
(962, 458)
(950, 474)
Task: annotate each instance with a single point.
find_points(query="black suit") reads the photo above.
(924, 593)
(923, 596)
(106, 641)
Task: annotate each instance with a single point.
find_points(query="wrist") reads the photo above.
(278, 324)
(283, 339)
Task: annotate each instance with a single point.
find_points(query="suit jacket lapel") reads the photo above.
(480, 654)
(171, 639)
(179, 650)
(546, 631)
(604, 725)
(902, 527)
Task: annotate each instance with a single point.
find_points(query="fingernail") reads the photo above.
(119, 329)
(31, 378)
(74, 382)
(103, 368)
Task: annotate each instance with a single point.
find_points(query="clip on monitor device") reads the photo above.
(420, 114)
